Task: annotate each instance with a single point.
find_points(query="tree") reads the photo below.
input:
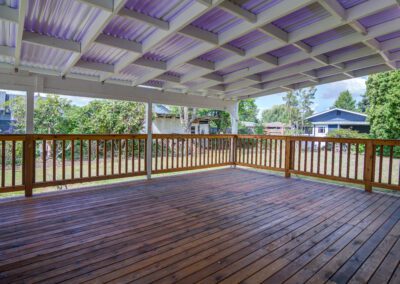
(104, 116)
(276, 113)
(291, 104)
(363, 105)
(306, 100)
(222, 119)
(248, 110)
(345, 101)
(383, 91)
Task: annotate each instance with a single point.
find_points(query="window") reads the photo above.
(193, 130)
(321, 129)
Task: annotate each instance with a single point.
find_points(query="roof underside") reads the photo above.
(227, 49)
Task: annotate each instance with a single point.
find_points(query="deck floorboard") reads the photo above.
(219, 226)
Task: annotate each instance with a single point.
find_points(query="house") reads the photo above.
(337, 118)
(165, 121)
(6, 117)
(275, 128)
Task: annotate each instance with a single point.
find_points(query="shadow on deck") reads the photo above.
(228, 225)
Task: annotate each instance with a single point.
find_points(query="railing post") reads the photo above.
(233, 150)
(29, 164)
(369, 165)
(149, 140)
(288, 156)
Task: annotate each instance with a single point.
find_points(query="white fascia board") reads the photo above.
(120, 43)
(44, 40)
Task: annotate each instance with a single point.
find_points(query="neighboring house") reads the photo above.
(6, 117)
(167, 122)
(251, 126)
(324, 122)
(275, 128)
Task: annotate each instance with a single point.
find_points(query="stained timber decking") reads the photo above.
(228, 226)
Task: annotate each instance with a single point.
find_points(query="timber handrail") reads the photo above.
(39, 160)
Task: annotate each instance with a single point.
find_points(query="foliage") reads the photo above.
(349, 133)
(306, 100)
(259, 129)
(276, 113)
(363, 105)
(248, 110)
(102, 116)
(222, 121)
(292, 107)
(345, 101)
(383, 91)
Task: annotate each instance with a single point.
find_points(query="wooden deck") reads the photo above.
(228, 226)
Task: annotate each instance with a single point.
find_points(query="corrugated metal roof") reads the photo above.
(382, 17)
(61, 19)
(103, 54)
(250, 40)
(184, 69)
(8, 31)
(351, 3)
(216, 55)
(302, 18)
(136, 71)
(239, 66)
(329, 35)
(287, 50)
(256, 6)
(217, 21)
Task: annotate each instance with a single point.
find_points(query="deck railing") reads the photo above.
(33, 161)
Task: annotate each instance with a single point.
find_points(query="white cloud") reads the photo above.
(355, 86)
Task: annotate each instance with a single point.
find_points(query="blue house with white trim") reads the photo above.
(337, 118)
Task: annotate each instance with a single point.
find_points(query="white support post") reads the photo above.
(30, 101)
(149, 131)
(234, 113)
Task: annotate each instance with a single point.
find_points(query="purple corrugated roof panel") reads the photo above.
(301, 18)
(283, 67)
(129, 29)
(283, 51)
(185, 69)
(216, 21)
(239, 66)
(166, 10)
(329, 35)
(44, 57)
(388, 36)
(103, 54)
(381, 17)
(136, 71)
(8, 32)
(170, 47)
(61, 19)
(250, 40)
(350, 3)
(256, 6)
(394, 50)
(216, 55)
(10, 3)
(346, 49)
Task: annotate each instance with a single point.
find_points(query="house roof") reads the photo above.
(223, 49)
(340, 122)
(161, 110)
(336, 109)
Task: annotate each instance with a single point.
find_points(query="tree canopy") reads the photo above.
(345, 101)
(383, 91)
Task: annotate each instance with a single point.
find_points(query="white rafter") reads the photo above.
(20, 31)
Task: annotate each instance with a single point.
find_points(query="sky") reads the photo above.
(324, 97)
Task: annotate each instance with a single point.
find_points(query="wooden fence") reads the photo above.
(33, 161)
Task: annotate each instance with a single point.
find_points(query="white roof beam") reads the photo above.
(159, 65)
(9, 14)
(53, 42)
(96, 28)
(107, 5)
(20, 31)
(107, 68)
(131, 14)
(390, 44)
(120, 43)
(168, 78)
(199, 34)
(275, 32)
(239, 12)
(233, 49)
(202, 64)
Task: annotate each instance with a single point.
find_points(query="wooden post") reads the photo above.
(288, 156)
(369, 166)
(29, 164)
(149, 141)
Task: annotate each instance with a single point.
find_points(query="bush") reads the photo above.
(349, 133)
